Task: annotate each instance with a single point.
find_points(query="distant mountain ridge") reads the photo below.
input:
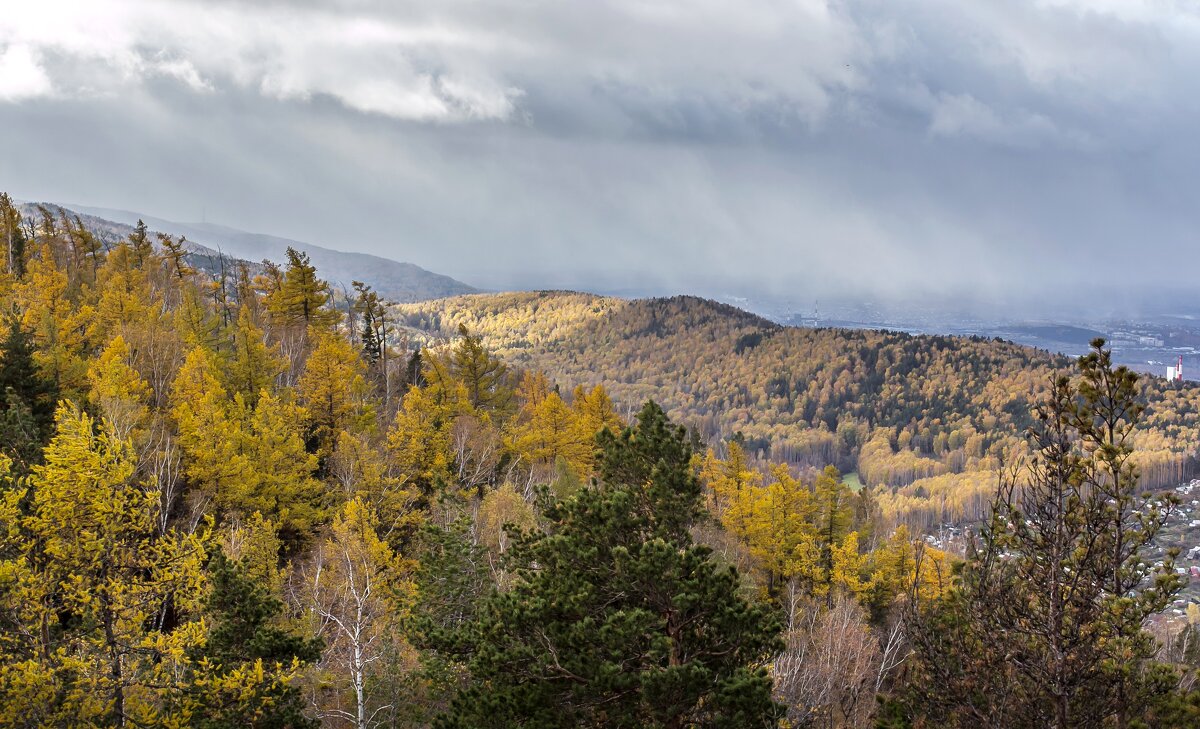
(394, 280)
(110, 233)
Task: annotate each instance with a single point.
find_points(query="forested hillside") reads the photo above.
(225, 502)
(927, 418)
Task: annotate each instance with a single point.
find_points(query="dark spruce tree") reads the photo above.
(27, 400)
(243, 631)
(413, 375)
(616, 618)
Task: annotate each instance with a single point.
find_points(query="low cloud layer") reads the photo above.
(990, 148)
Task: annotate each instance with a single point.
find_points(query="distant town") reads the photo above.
(1163, 345)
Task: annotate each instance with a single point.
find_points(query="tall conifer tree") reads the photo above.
(615, 618)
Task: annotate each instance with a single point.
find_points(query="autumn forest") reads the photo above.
(235, 495)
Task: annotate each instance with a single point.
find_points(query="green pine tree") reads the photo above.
(616, 619)
(452, 578)
(1048, 627)
(243, 616)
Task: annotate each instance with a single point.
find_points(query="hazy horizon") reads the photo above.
(845, 306)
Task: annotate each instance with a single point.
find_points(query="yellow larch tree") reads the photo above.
(726, 479)
(197, 323)
(59, 324)
(596, 410)
(254, 542)
(419, 441)
(210, 435)
(123, 290)
(24, 601)
(108, 578)
(776, 523)
(298, 298)
(246, 459)
(282, 484)
(849, 566)
(119, 391)
(550, 430)
(901, 565)
(334, 390)
(360, 466)
(596, 413)
(254, 365)
(533, 388)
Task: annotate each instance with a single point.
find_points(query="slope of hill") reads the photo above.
(921, 417)
(394, 280)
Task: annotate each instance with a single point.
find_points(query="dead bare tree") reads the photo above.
(832, 663)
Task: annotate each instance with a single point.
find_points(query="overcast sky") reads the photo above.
(983, 147)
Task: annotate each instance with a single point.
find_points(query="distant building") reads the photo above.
(1176, 372)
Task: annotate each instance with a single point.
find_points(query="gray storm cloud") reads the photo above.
(882, 146)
